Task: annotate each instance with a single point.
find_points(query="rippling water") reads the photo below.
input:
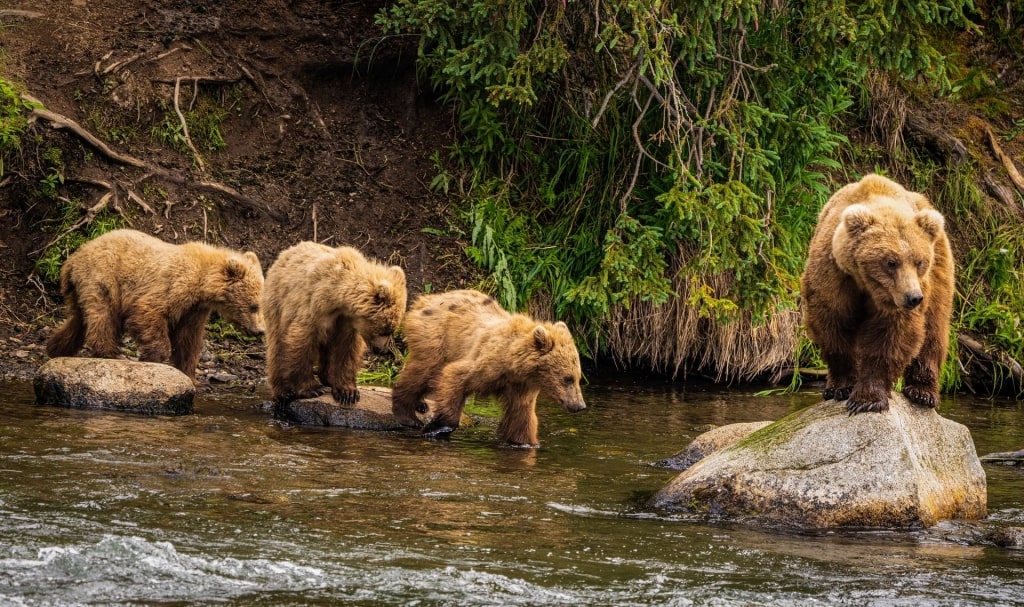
(228, 507)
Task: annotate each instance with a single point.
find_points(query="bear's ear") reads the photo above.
(542, 340)
(382, 293)
(931, 221)
(397, 275)
(857, 218)
(234, 270)
(252, 257)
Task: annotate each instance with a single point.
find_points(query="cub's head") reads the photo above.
(889, 254)
(242, 279)
(382, 308)
(557, 361)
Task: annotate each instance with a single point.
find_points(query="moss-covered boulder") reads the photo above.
(821, 468)
(707, 443)
(114, 385)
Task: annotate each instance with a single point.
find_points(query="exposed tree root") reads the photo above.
(993, 356)
(59, 121)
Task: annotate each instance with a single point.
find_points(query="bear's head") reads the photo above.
(382, 306)
(239, 300)
(557, 365)
(888, 252)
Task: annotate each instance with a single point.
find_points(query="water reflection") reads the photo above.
(228, 506)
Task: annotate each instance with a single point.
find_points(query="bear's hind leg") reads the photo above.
(102, 321)
(290, 368)
(187, 341)
(69, 338)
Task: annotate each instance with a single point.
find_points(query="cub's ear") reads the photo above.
(383, 293)
(931, 221)
(543, 341)
(397, 275)
(857, 218)
(234, 270)
(252, 257)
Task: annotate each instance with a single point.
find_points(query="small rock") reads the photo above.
(20, 353)
(222, 377)
(114, 384)
(1007, 537)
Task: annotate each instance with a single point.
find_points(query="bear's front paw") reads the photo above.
(439, 428)
(346, 396)
(921, 396)
(838, 394)
(867, 401)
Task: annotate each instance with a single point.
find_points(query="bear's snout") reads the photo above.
(912, 300)
(574, 407)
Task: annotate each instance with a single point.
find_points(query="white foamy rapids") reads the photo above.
(130, 568)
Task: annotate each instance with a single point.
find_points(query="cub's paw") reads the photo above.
(439, 428)
(288, 397)
(921, 396)
(346, 396)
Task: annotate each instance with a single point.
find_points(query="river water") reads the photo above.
(226, 507)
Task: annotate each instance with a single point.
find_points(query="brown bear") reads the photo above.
(462, 343)
(321, 306)
(161, 294)
(877, 294)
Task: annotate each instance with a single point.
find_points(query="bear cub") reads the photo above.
(321, 306)
(877, 294)
(462, 343)
(160, 294)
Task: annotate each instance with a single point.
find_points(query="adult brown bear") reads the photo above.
(877, 294)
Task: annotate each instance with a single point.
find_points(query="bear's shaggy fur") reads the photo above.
(877, 294)
(160, 294)
(462, 343)
(321, 306)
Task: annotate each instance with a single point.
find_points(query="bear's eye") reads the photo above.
(893, 264)
(569, 379)
(254, 308)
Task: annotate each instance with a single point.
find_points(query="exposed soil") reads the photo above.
(328, 137)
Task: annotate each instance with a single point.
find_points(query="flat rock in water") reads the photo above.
(822, 468)
(709, 442)
(371, 412)
(114, 385)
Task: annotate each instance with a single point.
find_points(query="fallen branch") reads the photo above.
(992, 355)
(59, 121)
(942, 143)
(1002, 157)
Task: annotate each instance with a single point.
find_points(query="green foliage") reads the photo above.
(49, 263)
(204, 127)
(13, 120)
(611, 150)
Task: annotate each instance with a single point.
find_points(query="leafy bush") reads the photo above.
(672, 154)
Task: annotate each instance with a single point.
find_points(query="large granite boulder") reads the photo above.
(821, 468)
(707, 443)
(114, 384)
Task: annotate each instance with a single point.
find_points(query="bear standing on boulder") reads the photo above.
(161, 294)
(877, 294)
(321, 306)
(462, 343)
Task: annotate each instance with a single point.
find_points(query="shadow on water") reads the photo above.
(228, 507)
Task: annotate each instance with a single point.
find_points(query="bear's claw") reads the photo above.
(922, 397)
(438, 428)
(838, 394)
(854, 407)
(348, 396)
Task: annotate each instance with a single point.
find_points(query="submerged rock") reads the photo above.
(115, 385)
(1007, 537)
(821, 468)
(709, 442)
(371, 412)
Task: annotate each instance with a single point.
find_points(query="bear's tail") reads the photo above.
(69, 338)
